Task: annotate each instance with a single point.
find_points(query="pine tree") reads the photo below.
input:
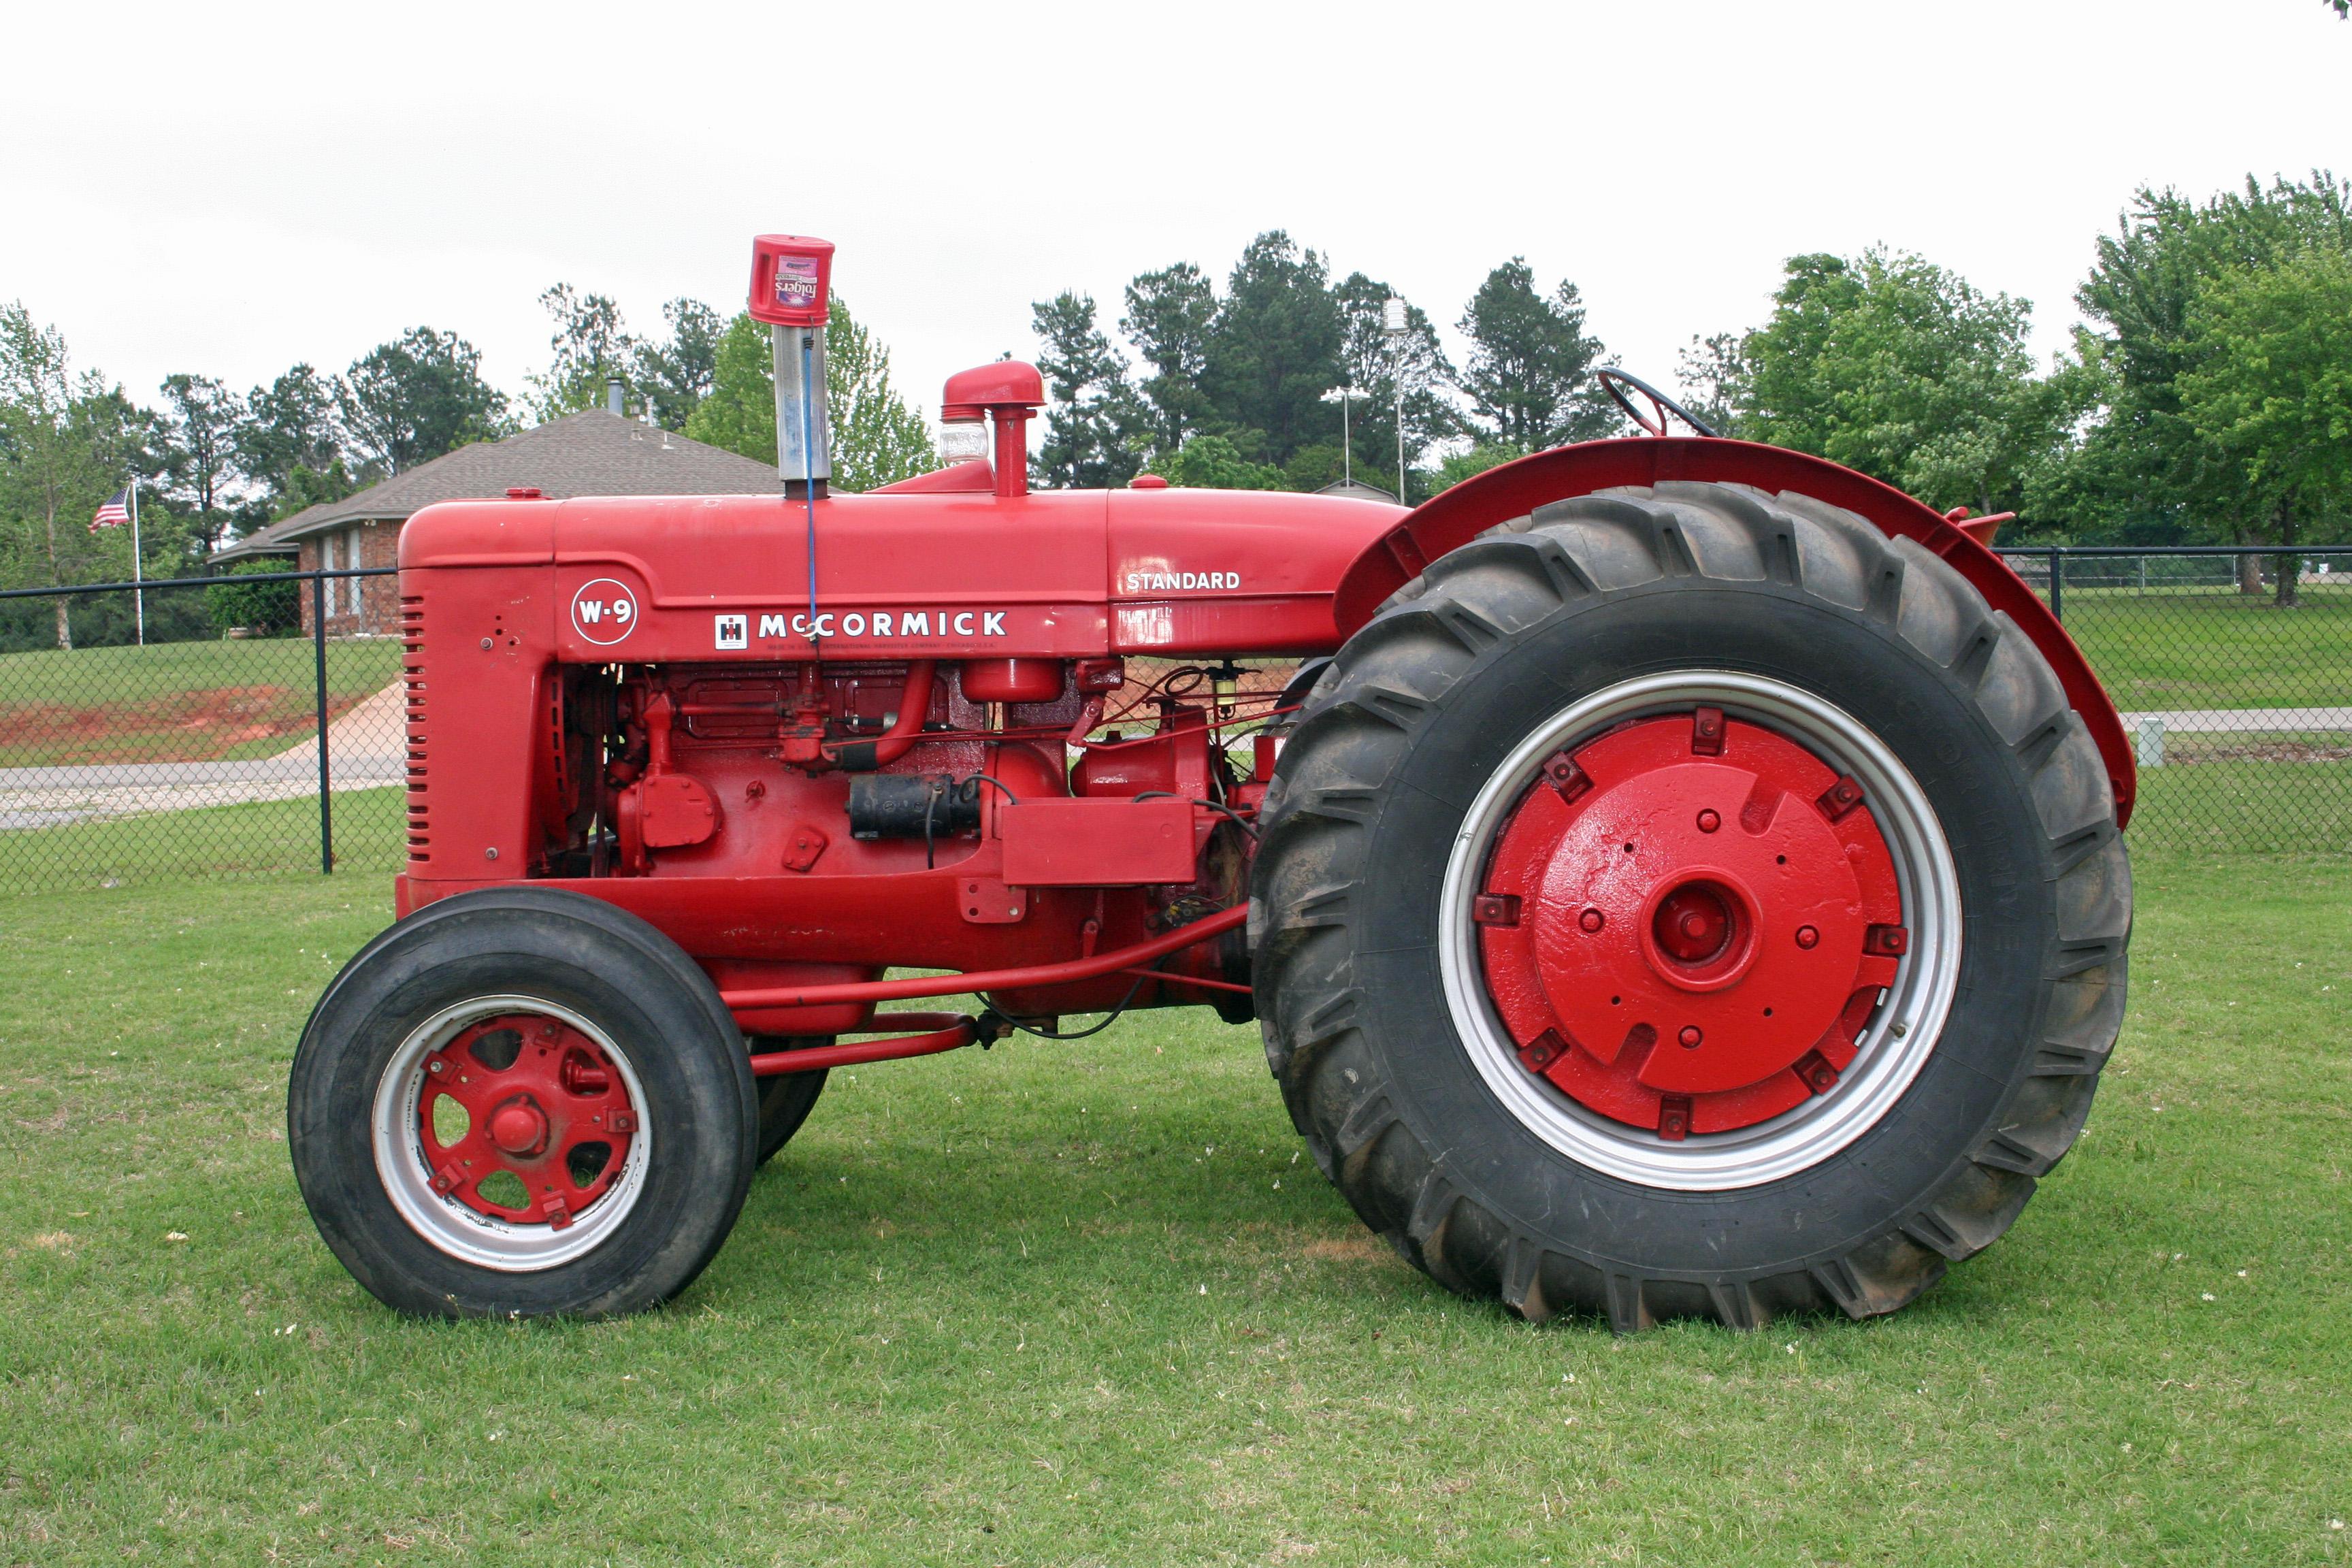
(590, 344)
(1167, 318)
(1095, 423)
(675, 375)
(1531, 362)
(1274, 351)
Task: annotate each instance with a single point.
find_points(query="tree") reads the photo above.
(876, 438)
(1371, 361)
(1897, 367)
(1714, 381)
(591, 346)
(1273, 351)
(408, 401)
(1213, 463)
(1456, 467)
(67, 442)
(2145, 468)
(201, 421)
(1095, 424)
(739, 412)
(675, 375)
(1530, 370)
(2273, 388)
(288, 427)
(1169, 313)
(273, 609)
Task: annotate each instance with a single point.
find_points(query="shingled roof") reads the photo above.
(590, 454)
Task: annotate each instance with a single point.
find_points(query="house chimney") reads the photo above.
(612, 395)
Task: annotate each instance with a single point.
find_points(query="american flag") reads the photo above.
(115, 513)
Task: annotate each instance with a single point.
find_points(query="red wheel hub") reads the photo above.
(1687, 923)
(540, 1103)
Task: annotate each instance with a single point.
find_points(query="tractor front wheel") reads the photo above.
(522, 1102)
(1689, 902)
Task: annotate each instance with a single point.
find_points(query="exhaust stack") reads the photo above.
(792, 277)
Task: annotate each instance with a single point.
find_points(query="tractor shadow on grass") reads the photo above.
(1036, 1184)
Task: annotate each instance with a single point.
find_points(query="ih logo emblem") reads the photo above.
(732, 631)
(604, 611)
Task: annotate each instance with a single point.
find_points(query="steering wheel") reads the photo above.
(1616, 382)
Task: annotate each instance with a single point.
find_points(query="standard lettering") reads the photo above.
(771, 626)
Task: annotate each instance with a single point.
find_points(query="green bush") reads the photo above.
(273, 609)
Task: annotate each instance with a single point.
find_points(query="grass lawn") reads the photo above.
(265, 838)
(913, 1352)
(174, 702)
(2171, 649)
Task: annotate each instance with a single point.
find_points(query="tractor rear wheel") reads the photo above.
(1688, 902)
(522, 1102)
(786, 1099)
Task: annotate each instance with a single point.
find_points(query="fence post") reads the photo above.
(2057, 586)
(319, 644)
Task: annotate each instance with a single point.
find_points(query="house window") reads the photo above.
(326, 563)
(352, 558)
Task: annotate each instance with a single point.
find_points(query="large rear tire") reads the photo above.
(786, 1099)
(1515, 971)
(522, 1102)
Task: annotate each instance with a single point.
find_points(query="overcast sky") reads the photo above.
(229, 188)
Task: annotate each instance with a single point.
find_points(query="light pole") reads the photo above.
(1340, 395)
(1393, 326)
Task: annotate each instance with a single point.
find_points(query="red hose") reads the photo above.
(1022, 979)
(914, 707)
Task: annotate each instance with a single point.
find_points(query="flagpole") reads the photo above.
(138, 573)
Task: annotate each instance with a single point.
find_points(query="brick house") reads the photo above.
(595, 453)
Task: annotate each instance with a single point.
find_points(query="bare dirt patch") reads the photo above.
(2186, 752)
(1364, 1248)
(198, 726)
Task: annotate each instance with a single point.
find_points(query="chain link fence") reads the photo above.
(2232, 669)
(197, 728)
(219, 727)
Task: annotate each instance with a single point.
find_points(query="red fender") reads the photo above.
(1447, 521)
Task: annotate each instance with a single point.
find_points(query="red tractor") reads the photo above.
(1681, 877)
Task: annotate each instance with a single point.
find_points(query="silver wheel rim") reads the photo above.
(1893, 1047)
(403, 1163)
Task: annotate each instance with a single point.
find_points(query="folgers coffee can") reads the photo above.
(790, 276)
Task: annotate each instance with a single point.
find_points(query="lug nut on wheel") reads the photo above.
(1690, 1037)
(1807, 937)
(1708, 821)
(1591, 921)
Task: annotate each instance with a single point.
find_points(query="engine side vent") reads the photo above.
(412, 669)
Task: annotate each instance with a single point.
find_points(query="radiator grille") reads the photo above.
(412, 668)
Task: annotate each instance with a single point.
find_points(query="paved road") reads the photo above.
(366, 749)
(2243, 720)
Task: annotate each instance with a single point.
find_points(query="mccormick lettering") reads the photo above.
(870, 623)
(1180, 582)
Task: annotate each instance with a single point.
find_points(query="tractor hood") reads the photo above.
(1170, 573)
